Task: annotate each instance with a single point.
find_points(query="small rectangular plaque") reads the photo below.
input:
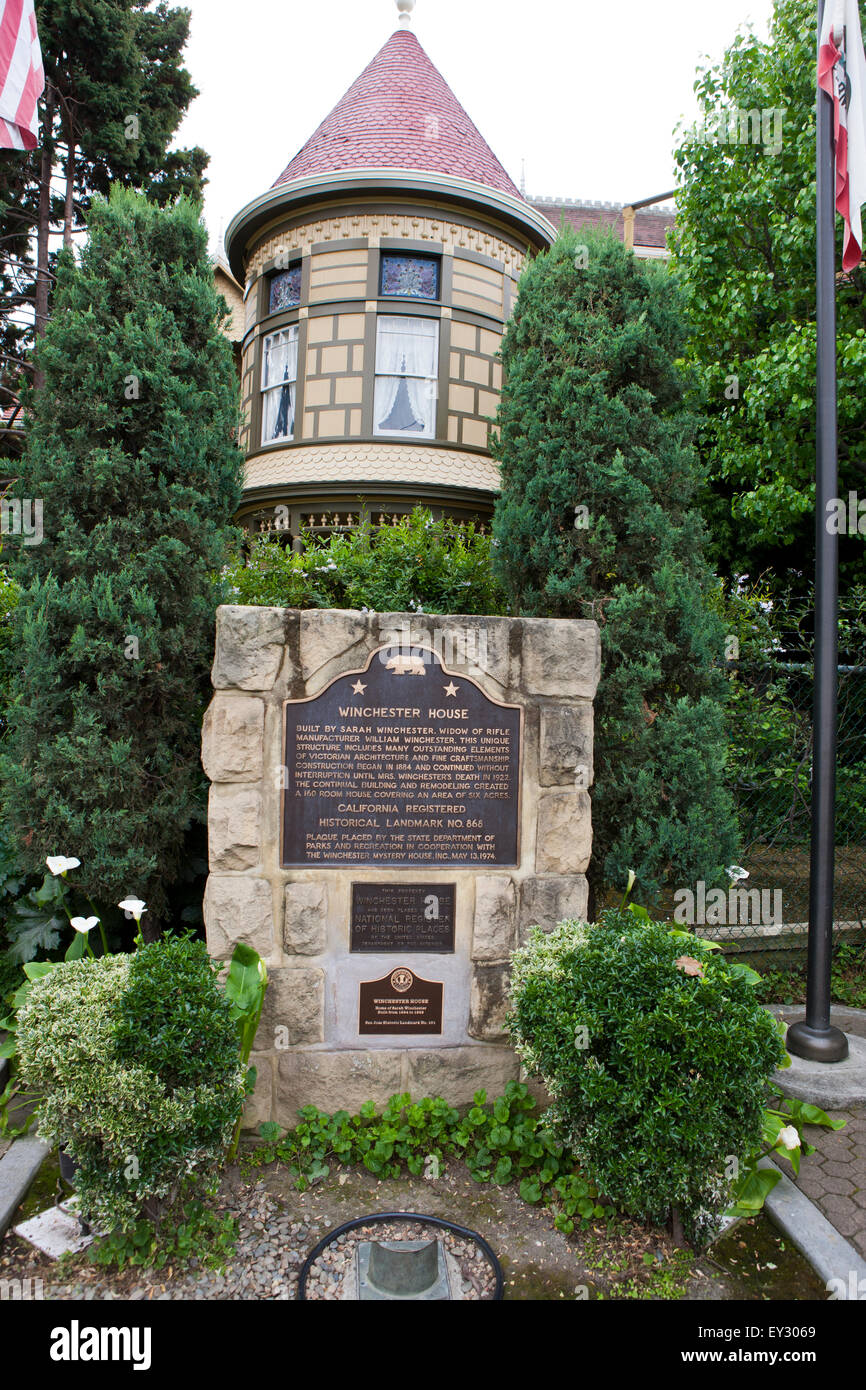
(402, 917)
(401, 1002)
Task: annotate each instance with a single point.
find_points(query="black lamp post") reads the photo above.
(814, 1038)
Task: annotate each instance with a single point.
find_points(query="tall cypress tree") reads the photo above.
(115, 93)
(597, 519)
(132, 452)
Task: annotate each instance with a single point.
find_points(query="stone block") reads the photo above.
(232, 739)
(327, 633)
(493, 933)
(456, 1073)
(259, 1107)
(546, 901)
(566, 745)
(249, 647)
(237, 908)
(335, 1081)
(561, 657)
(305, 928)
(564, 834)
(234, 826)
(294, 1009)
(489, 1002)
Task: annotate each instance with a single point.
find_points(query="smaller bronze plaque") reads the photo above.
(402, 917)
(401, 1002)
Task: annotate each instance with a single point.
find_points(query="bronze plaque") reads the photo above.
(402, 917)
(401, 764)
(401, 1002)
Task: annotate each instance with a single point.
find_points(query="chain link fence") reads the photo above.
(770, 778)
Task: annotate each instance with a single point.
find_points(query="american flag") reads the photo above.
(842, 74)
(22, 79)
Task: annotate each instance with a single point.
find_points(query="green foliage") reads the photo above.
(847, 979)
(769, 712)
(781, 1136)
(656, 1055)
(501, 1142)
(245, 988)
(136, 1062)
(105, 62)
(592, 417)
(418, 564)
(102, 752)
(745, 252)
(197, 1233)
(172, 1019)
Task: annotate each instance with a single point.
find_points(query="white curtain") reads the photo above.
(279, 375)
(407, 366)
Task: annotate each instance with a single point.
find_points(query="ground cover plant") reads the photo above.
(502, 1141)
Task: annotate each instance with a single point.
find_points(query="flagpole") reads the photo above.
(814, 1038)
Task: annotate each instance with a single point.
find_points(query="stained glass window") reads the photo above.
(285, 289)
(416, 277)
(279, 375)
(407, 365)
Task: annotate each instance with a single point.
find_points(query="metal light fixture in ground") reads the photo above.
(403, 1270)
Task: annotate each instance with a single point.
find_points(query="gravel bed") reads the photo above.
(271, 1249)
(334, 1274)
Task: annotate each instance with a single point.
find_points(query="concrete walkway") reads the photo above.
(834, 1177)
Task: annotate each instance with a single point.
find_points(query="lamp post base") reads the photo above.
(816, 1044)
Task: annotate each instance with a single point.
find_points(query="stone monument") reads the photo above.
(396, 798)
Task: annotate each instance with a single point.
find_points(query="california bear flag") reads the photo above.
(842, 74)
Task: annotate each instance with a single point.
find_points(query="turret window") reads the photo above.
(279, 376)
(416, 277)
(407, 367)
(284, 290)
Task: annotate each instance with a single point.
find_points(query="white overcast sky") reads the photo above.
(587, 94)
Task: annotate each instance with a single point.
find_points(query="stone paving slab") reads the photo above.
(834, 1177)
(18, 1168)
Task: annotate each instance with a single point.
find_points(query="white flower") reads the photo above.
(83, 924)
(58, 864)
(631, 878)
(789, 1137)
(133, 905)
(735, 872)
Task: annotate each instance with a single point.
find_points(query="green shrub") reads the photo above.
(171, 1019)
(598, 519)
(95, 1042)
(417, 564)
(657, 1076)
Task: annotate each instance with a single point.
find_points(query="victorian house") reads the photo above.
(370, 288)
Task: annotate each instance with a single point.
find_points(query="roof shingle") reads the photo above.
(400, 114)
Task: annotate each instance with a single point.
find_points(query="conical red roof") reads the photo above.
(400, 114)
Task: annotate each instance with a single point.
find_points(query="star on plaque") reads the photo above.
(450, 688)
(358, 688)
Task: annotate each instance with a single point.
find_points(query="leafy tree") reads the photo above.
(745, 251)
(597, 519)
(116, 91)
(132, 450)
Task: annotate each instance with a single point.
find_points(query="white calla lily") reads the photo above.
(84, 924)
(133, 905)
(58, 864)
(789, 1137)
